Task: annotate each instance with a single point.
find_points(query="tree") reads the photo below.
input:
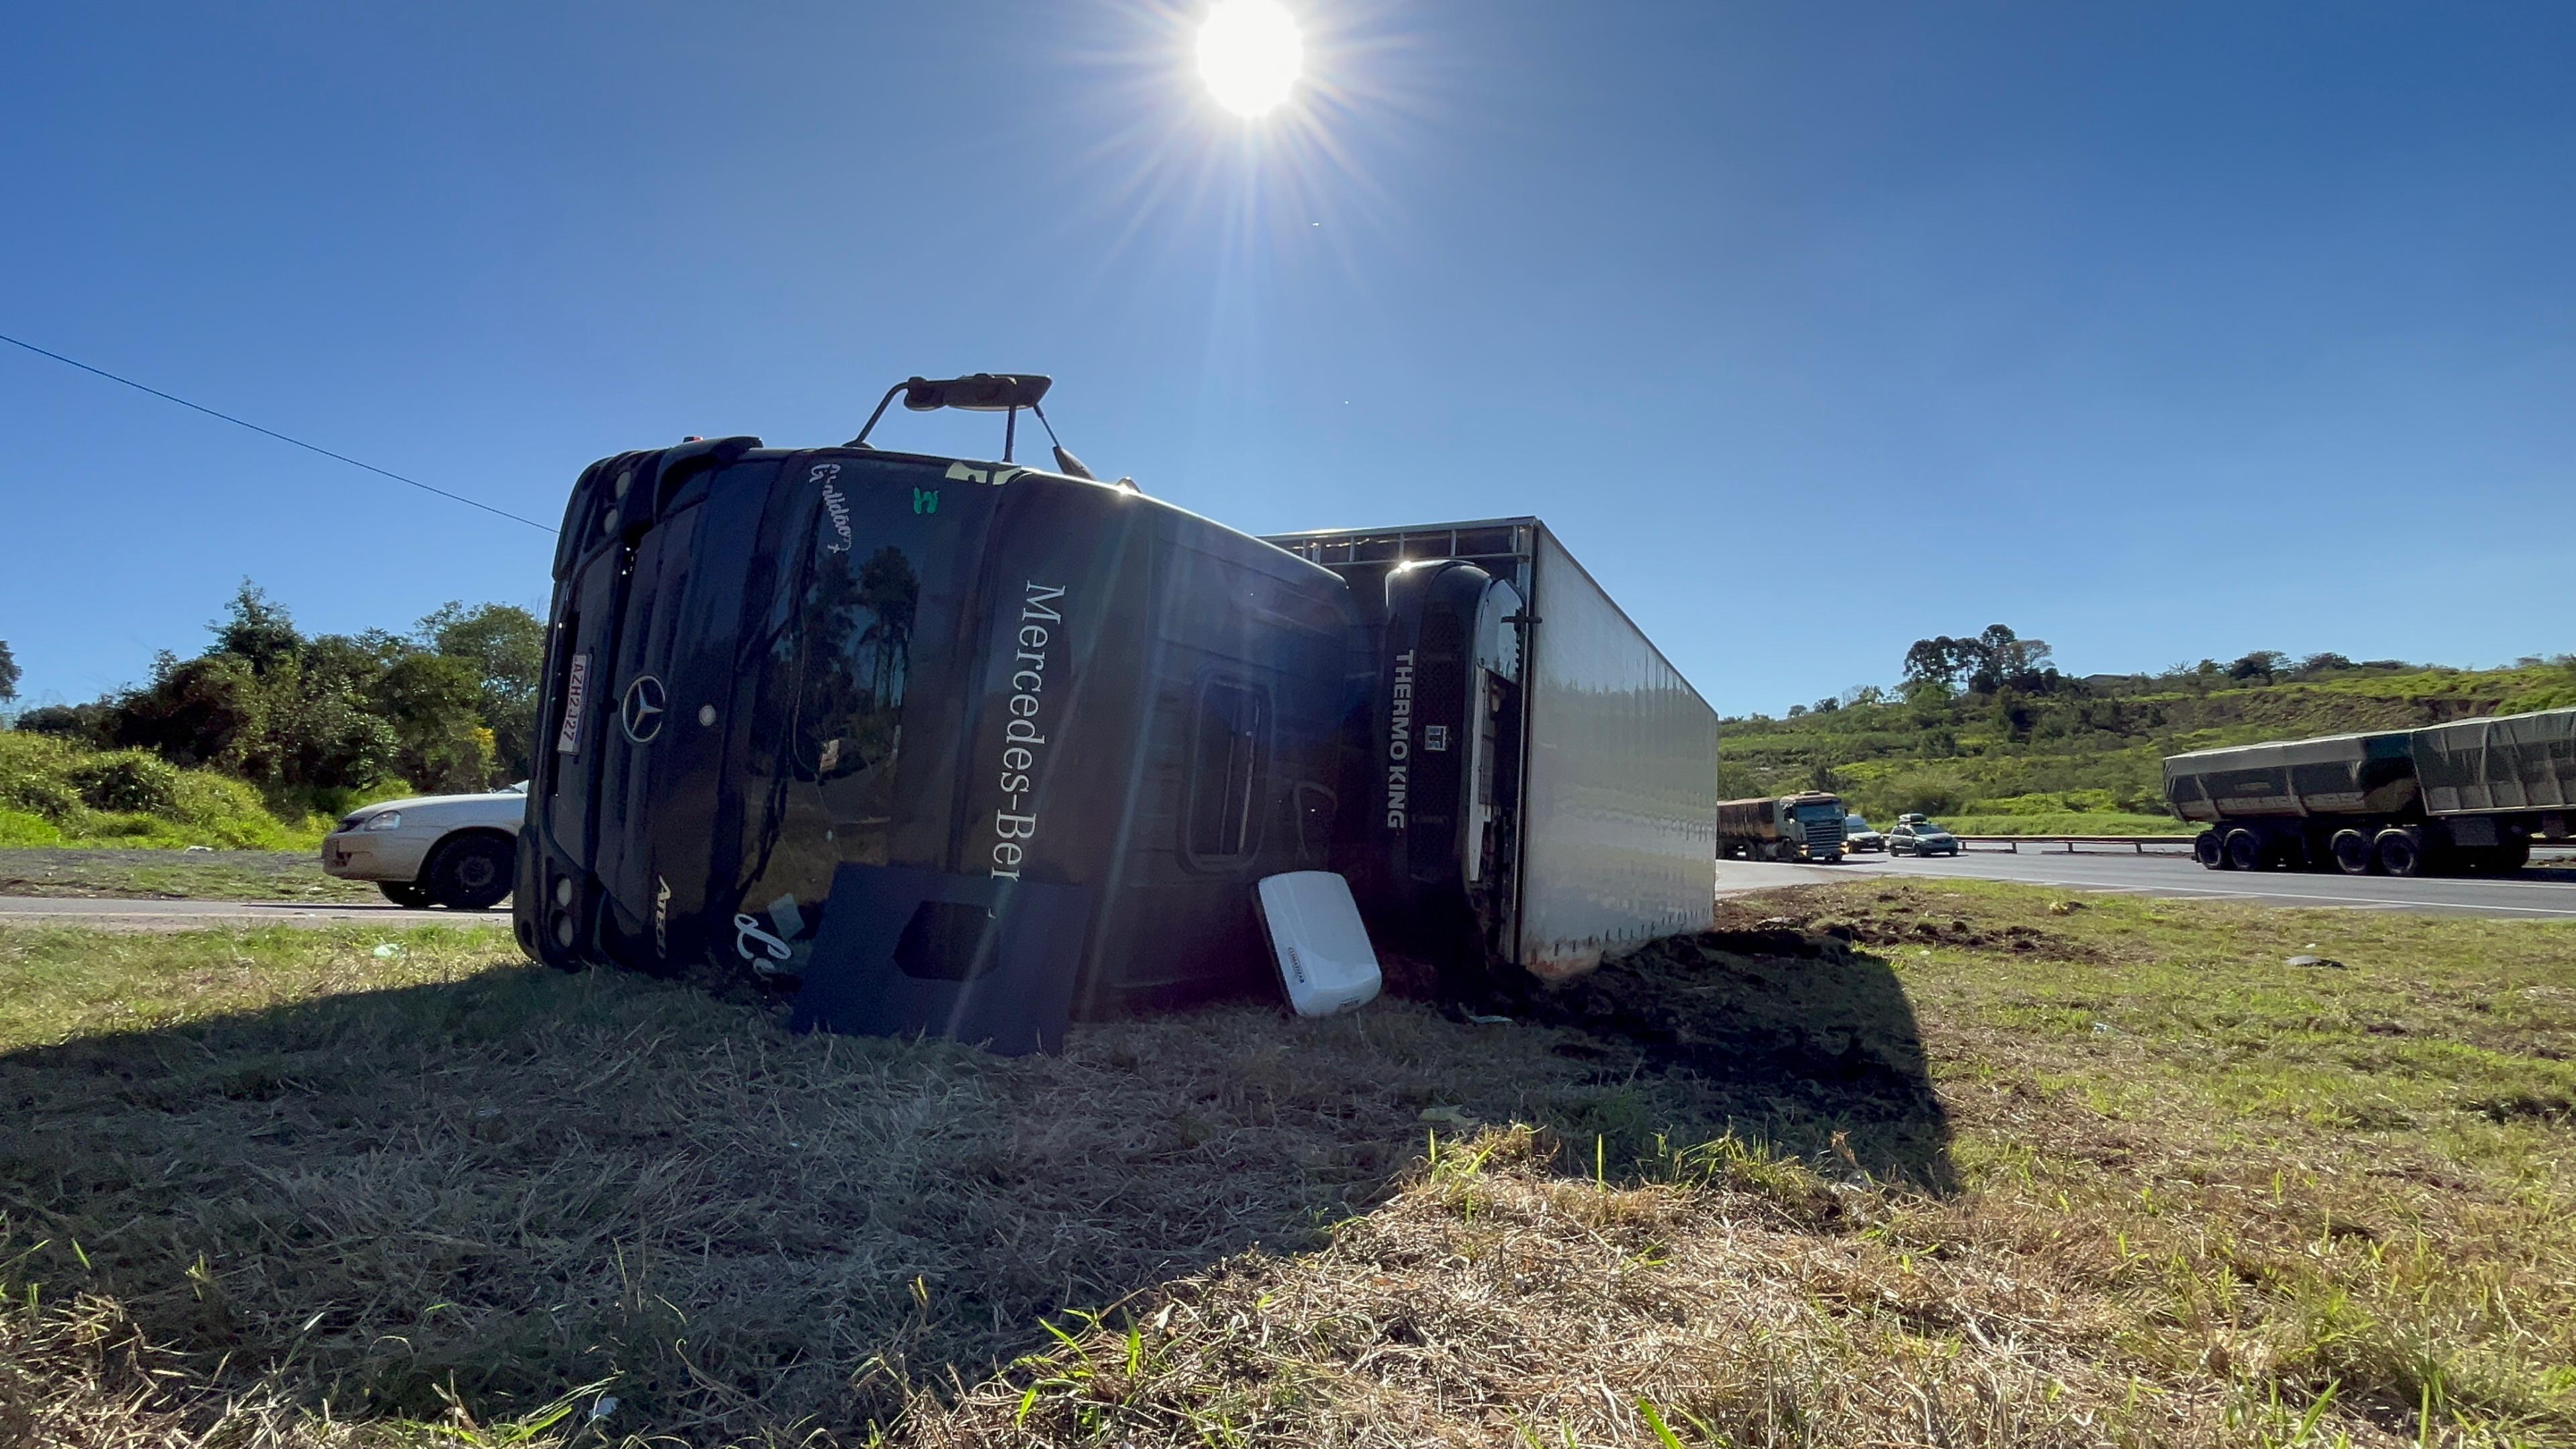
(433, 706)
(2265, 664)
(2013, 661)
(90, 724)
(256, 630)
(9, 675)
(1996, 658)
(1933, 662)
(506, 646)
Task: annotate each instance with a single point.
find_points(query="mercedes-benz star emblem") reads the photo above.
(641, 711)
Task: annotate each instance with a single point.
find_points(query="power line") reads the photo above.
(273, 433)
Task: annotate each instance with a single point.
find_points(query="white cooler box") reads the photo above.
(1322, 950)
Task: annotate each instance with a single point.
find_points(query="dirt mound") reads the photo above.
(1890, 918)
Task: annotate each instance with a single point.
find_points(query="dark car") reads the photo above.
(1921, 837)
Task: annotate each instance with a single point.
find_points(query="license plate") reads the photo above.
(576, 690)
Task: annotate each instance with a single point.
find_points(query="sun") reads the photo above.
(1250, 55)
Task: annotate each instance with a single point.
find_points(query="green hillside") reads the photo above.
(2051, 754)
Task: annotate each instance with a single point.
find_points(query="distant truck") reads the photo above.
(2459, 798)
(1785, 827)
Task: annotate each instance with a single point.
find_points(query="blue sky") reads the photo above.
(2156, 330)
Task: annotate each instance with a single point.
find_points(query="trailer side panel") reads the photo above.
(1620, 800)
(2518, 762)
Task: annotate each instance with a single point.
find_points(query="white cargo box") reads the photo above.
(1322, 950)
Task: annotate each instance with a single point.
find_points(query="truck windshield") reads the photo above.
(865, 592)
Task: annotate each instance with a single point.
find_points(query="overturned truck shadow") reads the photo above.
(1801, 1041)
(510, 1185)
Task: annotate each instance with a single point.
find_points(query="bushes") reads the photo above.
(1927, 791)
(55, 792)
(127, 780)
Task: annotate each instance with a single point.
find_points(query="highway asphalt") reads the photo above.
(2547, 891)
(139, 915)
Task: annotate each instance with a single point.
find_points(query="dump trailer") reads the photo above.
(1536, 784)
(1807, 826)
(2468, 796)
(934, 744)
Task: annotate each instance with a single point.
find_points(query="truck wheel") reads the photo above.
(2399, 852)
(2245, 850)
(471, 873)
(2352, 852)
(404, 893)
(2513, 855)
(2209, 851)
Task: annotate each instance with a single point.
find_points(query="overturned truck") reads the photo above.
(2465, 797)
(970, 748)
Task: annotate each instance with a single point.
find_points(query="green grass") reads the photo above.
(2106, 822)
(1956, 1162)
(222, 875)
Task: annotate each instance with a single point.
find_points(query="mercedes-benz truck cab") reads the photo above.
(1039, 723)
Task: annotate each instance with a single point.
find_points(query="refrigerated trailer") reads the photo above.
(2471, 795)
(966, 747)
(1538, 778)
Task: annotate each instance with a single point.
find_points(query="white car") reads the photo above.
(455, 851)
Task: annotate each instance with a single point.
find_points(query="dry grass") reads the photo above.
(2129, 1179)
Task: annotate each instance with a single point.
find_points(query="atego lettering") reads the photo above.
(1015, 819)
(1399, 740)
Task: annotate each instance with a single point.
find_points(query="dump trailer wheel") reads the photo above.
(2209, 850)
(2352, 854)
(2513, 855)
(2400, 852)
(2245, 850)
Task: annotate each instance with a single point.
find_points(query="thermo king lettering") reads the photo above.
(1013, 826)
(1399, 739)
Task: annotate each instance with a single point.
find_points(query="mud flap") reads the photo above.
(904, 952)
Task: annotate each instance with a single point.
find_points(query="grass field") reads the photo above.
(1955, 1164)
(2106, 822)
(205, 875)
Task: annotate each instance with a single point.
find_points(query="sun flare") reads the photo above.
(1250, 55)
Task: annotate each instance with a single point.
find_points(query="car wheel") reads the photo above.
(405, 893)
(470, 874)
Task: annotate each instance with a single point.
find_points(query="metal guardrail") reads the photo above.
(2012, 844)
